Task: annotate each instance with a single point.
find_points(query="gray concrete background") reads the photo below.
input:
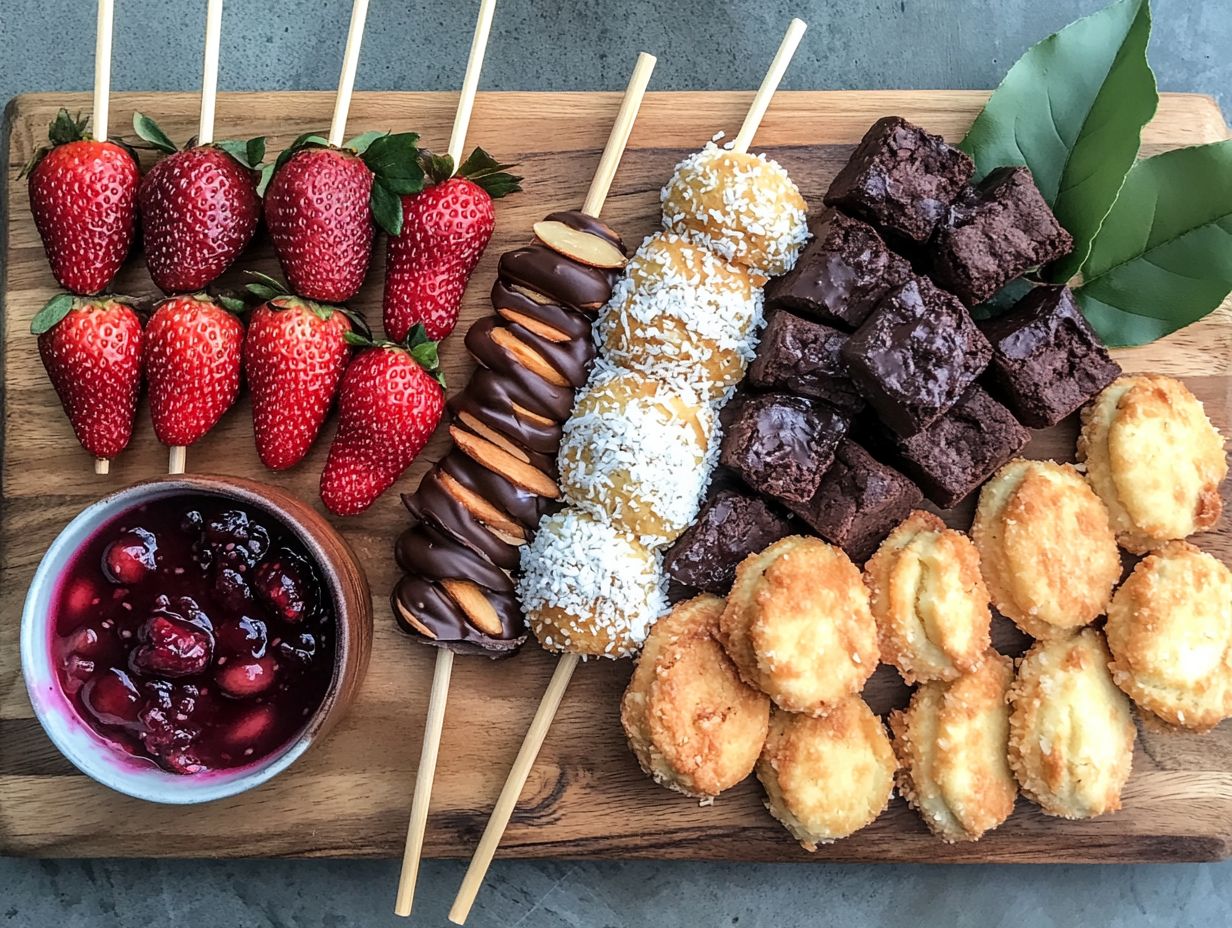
(587, 45)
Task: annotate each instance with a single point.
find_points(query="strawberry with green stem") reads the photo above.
(391, 401)
(445, 230)
(199, 207)
(83, 194)
(324, 203)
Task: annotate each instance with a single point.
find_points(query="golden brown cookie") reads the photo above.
(1170, 633)
(1154, 458)
(952, 744)
(692, 723)
(1046, 549)
(798, 625)
(1071, 730)
(929, 600)
(826, 778)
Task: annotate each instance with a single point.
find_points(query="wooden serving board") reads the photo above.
(349, 797)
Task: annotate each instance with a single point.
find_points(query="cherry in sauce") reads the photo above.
(195, 633)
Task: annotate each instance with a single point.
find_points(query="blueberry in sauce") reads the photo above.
(194, 633)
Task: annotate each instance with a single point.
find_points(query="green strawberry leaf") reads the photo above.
(360, 143)
(1163, 258)
(437, 168)
(267, 174)
(232, 304)
(386, 207)
(394, 160)
(425, 352)
(484, 170)
(244, 151)
(255, 150)
(148, 131)
(1072, 110)
(52, 312)
(356, 340)
(65, 128)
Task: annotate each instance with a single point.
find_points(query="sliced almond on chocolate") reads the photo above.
(527, 356)
(493, 436)
(582, 247)
(523, 413)
(413, 621)
(503, 463)
(533, 295)
(542, 329)
(470, 599)
(494, 520)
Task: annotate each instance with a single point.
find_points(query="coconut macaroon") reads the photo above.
(1046, 548)
(637, 451)
(1170, 632)
(929, 600)
(826, 778)
(742, 206)
(1071, 730)
(798, 625)
(1154, 458)
(692, 723)
(589, 588)
(682, 313)
(952, 745)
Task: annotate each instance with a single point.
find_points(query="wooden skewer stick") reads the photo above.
(350, 63)
(102, 81)
(769, 84)
(550, 703)
(177, 457)
(422, 797)
(470, 82)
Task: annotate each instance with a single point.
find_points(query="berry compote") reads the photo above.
(195, 633)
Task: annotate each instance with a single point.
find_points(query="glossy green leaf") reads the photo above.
(394, 159)
(1072, 110)
(1163, 258)
(150, 133)
(386, 207)
(360, 143)
(52, 312)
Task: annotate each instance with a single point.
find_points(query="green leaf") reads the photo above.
(360, 143)
(232, 304)
(65, 128)
(386, 207)
(437, 168)
(237, 150)
(267, 174)
(394, 160)
(256, 152)
(148, 131)
(52, 312)
(356, 340)
(1003, 300)
(1072, 110)
(1163, 259)
(484, 170)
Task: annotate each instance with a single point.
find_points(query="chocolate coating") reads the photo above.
(436, 612)
(804, 358)
(435, 505)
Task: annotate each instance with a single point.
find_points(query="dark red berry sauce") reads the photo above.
(195, 633)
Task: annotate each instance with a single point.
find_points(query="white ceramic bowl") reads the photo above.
(134, 776)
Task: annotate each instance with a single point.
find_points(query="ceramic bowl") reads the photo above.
(340, 571)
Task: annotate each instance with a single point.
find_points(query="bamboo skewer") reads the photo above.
(421, 799)
(769, 84)
(565, 667)
(102, 103)
(350, 64)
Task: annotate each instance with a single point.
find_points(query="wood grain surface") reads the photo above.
(586, 797)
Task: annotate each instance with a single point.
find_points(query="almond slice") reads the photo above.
(530, 294)
(493, 436)
(527, 356)
(483, 512)
(542, 329)
(523, 413)
(414, 622)
(470, 599)
(583, 247)
(506, 465)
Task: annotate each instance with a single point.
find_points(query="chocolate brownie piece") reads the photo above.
(901, 179)
(1047, 360)
(780, 445)
(805, 358)
(858, 502)
(842, 272)
(960, 451)
(915, 355)
(730, 526)
(995, 232)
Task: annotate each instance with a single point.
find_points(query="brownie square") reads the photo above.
(901, 179)
(842, 272)
(804, 358)
(915, 355)
(961, 450)
(858, 502)
(996, 231)
(1047, 360)
(730, 526)
(781, 445)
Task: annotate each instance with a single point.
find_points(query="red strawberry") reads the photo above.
(444, 232)
(391, 402)
(83, 195)
(192, 364)
(199, 208)
(294, 355)
(92, 351)
(322, 206)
